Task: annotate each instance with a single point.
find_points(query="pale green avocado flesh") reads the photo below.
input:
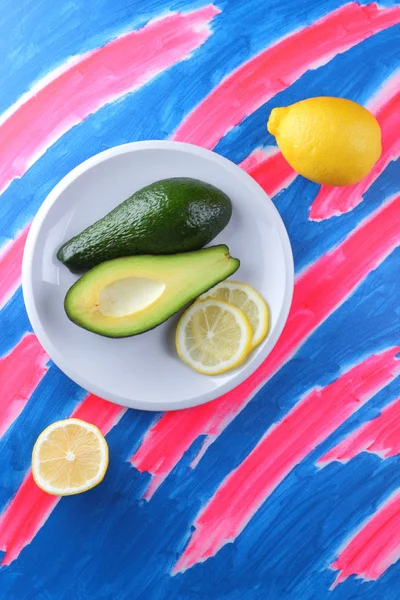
(130, 295)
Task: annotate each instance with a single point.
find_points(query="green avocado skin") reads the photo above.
(170, 216)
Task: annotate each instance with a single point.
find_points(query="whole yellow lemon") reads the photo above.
(333, 141)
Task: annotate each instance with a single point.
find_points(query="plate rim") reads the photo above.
(56, 356)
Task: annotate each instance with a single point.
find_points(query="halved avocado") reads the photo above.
(130, 295)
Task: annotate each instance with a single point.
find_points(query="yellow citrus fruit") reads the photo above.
(249, 301)
(332, 141)
(213, 337)
(69, 457)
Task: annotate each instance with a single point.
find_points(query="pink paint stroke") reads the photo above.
(276, 68)
(10, 266)
(20, 372)
(283, 447)
(270, 170)
(97, 78)
(319, 291)
(375, 547)
(334, 201)
(31, 507)
(380, 436)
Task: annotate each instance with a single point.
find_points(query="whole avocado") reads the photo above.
(169, 216)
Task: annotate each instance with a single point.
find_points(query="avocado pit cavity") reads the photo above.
(129, 295)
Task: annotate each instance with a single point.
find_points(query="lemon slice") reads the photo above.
(213, 337)
(69, 457)
(249, 301)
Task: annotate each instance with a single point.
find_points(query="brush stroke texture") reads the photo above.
(270, 170)
(283, 63)
(375, 547)
(29, 127)
(334, 201)
(30, 508)
(97, 78)
(319, 290)
(380, 436)
(285, 549)
(20, 372)
(286, 444)
(10, 266)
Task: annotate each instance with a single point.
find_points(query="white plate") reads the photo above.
(144, 371)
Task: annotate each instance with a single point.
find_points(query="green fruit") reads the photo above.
(127, 296)
(166, 217)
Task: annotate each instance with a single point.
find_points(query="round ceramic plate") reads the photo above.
(145, 371)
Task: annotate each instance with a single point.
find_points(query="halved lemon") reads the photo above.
(213, 337)
(69, 457)
(249, 301)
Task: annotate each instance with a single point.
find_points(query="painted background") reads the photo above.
(289, 492)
